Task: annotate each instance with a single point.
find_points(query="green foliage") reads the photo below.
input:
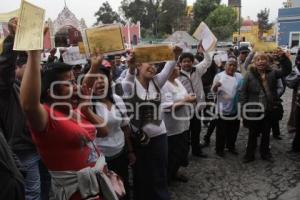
(158, 15)
(144, 11)
(202, 9)
(263, 21)
(223, 22)
(172, 13)
(106, 15)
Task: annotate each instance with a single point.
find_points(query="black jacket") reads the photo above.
(11, 181)
(12, 119)
(252, 92)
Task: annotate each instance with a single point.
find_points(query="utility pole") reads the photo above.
(240, 11)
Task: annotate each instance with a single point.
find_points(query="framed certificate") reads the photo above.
(108, 39)
(30, 28)
(153, 53)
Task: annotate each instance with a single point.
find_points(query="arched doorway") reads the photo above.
(67, 36)
(134, 40)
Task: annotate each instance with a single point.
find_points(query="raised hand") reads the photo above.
(177, 51)
(96, 59)
(200, 48)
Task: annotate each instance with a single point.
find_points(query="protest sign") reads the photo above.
(30, 28)
(72, 56)
(1, 45)
(204, 34)
(108, 39)
(153, 53)
(81, 47)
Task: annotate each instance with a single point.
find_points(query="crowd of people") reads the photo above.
(118, 129)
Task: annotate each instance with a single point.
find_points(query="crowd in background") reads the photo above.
(63, 126)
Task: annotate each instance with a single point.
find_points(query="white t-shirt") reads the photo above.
(160, 79)
(176, 121)
(152, 130)
(227, 93)
(114, 142)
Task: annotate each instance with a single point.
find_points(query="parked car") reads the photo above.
(294, 50)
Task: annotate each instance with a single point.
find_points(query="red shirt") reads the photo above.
(65, 144)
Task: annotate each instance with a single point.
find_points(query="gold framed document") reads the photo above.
(204, 34)
(30, 28)
(153, 53)
(1, 45)
(81, 47)
(108, 39)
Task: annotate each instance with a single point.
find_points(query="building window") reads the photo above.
(295, 39)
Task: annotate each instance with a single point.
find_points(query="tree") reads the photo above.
(106, 15)
(222, 22)
(145, 11)
(202, 9)
(172, 12)
(263, 22)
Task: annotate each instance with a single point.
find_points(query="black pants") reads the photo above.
(226, 133)
(150, 170)
(178, 150)
(211, 127)
(296, 141)
(275, 128)
(195, 129)
(256, 128)
(120, 166)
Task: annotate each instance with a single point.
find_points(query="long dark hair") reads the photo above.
(50, 73)
(107, 73)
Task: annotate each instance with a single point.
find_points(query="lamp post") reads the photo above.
(157, 22)
(240, 10)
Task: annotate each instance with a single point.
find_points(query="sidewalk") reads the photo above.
(293, 194)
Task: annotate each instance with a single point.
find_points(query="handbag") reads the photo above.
(293, 79)
(277, 110)
(110, 184)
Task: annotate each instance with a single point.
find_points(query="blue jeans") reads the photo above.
(30, 165)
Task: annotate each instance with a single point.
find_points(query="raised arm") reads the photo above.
(202, 67)
(89, 79)
(285, 65)
(248, 60)
(30, 93)
(128, 81)
(162, 77)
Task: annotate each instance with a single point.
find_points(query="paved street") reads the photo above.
(229, 179)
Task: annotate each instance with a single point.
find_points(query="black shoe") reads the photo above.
(233, 151)
(268, 158)
(291, 152)
(248, 160)
(181, 178)
(199, 154)
(220, 153)
(277, 137)
(206, 141)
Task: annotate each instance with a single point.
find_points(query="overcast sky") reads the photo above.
(86, 8)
